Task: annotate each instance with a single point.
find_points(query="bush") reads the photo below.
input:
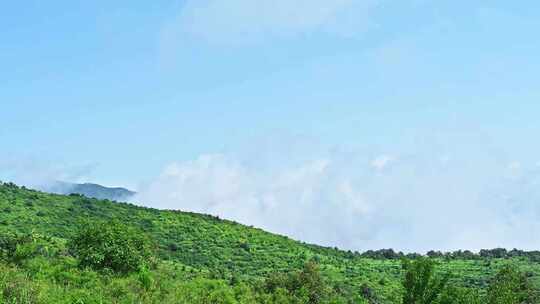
(305, 286)
(16, 248)
(460, 295)
(204, 291)
(511, 286)
(113, 246)
(420, 283)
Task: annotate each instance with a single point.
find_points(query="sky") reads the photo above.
(361, 124)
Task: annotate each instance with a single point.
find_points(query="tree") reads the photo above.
(306, 285)
(510, 286)
(112, 245)
(421, 285)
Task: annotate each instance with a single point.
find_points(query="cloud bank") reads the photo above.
(411, 201)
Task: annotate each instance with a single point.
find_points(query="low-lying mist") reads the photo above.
(429, 197)
(443, 193)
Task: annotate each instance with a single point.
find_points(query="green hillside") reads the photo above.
(203, 259)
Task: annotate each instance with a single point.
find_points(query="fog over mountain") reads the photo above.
(430, 195)
(456, 190)
(90, 190)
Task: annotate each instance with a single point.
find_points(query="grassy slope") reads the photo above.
(230, 249)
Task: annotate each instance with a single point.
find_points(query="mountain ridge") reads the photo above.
(91, 190)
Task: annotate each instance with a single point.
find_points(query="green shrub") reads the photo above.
(420, 283)
(113, 246)
(16, 247)
(204, 291)
(307, 285)
(457, 295)
(144, 276)
(511, 286)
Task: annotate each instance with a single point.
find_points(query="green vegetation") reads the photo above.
(510, 286)
(113, 246)
(420, 284)
(73, 249)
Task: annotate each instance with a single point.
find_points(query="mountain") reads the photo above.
(201, 259)
(91, 190)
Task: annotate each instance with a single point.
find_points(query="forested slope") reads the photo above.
(201, 249)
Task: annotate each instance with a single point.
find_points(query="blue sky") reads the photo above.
(120, 92)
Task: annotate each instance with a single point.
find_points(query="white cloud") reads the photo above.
(470, 201)
(240, 21)
(381, 162)
(286, 201)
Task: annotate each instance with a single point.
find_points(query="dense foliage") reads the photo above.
(420, 283)
(73, 249)
(511, 286)
(114, 246)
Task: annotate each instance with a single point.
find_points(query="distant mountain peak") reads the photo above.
(91, 190)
